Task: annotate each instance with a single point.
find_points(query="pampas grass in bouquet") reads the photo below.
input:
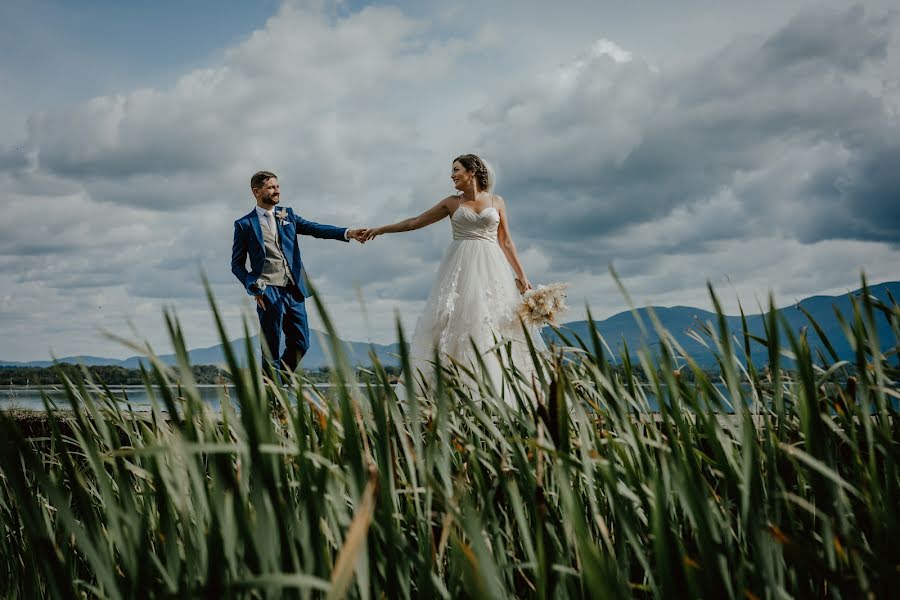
(544, 304)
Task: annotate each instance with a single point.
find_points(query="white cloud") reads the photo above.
(765, 164)
(130, 194)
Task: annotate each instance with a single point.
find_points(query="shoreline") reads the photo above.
(30, 418)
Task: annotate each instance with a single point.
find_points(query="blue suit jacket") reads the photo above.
(248, 240)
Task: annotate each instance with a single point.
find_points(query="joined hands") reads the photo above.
(372, 233)
(360, 235)
(364, 234)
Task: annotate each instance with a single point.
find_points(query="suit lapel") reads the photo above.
(285, 241)
(254, 222)
(278, 225)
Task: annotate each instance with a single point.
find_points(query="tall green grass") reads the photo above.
(583, 493)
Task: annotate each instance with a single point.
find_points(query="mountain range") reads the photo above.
(623, 328)
(316, 357)
(618, 330)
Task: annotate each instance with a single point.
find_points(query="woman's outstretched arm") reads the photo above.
(504, 238)
(432, 215)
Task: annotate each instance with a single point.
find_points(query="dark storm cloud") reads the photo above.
(860, 201)
(13, 158)
(810, 38)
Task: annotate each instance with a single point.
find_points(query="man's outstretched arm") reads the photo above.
(328, 232)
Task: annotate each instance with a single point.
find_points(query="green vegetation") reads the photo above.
(582, 494)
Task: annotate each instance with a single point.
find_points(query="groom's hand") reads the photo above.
(260, 302)
(360, 235)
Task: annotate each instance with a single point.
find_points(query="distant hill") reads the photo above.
(88, 361)
(622, 328)
(616, 330)
(316, 357)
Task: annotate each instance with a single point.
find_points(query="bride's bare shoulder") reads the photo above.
(450, 203)
(498, 201)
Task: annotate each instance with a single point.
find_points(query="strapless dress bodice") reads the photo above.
(470, 225)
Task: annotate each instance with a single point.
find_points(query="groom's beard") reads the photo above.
(271, 200)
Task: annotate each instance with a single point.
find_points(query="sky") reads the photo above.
(754, 146)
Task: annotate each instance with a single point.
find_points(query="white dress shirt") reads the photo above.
(264, 216)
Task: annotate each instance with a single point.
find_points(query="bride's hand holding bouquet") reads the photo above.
(543, 305)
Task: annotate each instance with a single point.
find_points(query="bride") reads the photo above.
(476, 295)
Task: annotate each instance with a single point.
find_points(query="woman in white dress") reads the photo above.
(476, 294)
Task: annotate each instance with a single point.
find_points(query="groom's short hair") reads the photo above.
(259, 178)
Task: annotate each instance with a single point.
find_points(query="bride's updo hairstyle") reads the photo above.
(473, 164)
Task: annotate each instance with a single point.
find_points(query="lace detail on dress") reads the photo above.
(449, 306)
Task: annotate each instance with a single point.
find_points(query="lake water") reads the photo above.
(29, 398)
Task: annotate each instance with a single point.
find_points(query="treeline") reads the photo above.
(109, 374)
(211, 374)
(114, 375)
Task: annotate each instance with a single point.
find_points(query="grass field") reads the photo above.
(579, 494)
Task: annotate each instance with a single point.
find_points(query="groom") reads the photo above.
(277, 277)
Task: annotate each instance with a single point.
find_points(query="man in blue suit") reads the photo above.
(277, 277)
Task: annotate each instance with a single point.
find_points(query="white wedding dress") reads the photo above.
(474, 298)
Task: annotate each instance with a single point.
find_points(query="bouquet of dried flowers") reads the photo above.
(543, 304)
